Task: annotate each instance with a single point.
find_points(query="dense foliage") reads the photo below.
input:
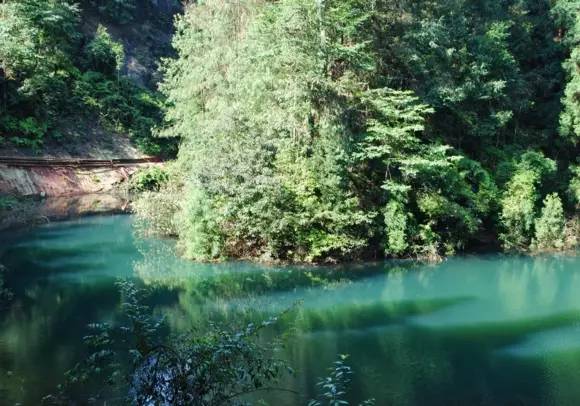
(567, 13)
(322, 130)
(330, 130)
(52, 70)
(148, 179)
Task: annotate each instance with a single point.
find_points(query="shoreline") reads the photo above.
(26, 212)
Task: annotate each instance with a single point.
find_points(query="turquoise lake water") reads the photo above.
(476, 330)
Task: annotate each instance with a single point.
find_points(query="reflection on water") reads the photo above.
(473, 330)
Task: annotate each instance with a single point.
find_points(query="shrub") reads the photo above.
(36, 40)
(199, 228)
(396, 228)
(150, 179)
(572, 233)
(46, 76)
(519, 210)
(518, 204)
(26, 132)
(124, 107)
(103, 54)
(156, 212)
(549, 227)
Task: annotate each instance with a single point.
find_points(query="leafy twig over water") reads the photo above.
(213, 368)
(136, 362)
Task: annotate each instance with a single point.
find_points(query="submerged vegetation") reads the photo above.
(320, 131)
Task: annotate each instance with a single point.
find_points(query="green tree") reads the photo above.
(449, 193)
(285, 140)
(518, 204)
(567, 13)
(332, 130)
(103, 54)
(471, 62)
(35, 67)
(549, 226)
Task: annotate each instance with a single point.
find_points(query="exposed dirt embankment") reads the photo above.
(50, 181)
(63, 180)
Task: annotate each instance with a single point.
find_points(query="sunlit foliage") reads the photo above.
(331, 130)
(53, 69)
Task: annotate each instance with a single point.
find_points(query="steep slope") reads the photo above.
(77, 77)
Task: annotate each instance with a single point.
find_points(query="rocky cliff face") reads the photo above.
(146, 36)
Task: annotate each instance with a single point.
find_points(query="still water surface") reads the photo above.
(481, 330)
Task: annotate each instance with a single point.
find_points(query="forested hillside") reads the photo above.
(69, 66)
(317, 130)
(327, 130)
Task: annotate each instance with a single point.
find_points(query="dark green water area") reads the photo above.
(474, 330)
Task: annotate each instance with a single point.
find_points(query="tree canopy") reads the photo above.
(330, 130)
